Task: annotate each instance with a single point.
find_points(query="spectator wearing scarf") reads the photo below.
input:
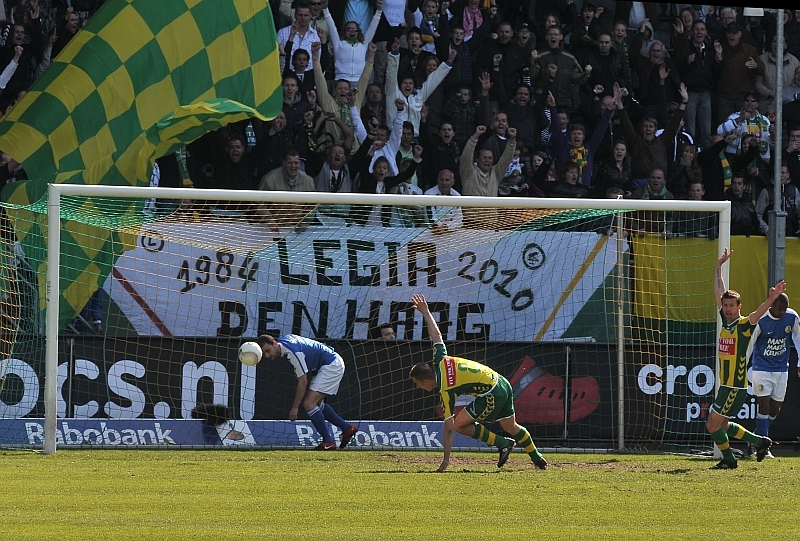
(747, 121)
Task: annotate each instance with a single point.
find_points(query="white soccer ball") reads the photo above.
(250, 353)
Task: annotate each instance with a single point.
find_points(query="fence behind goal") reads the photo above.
(606, 338)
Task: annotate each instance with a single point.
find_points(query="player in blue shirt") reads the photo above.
(308, 357)
(770, 352)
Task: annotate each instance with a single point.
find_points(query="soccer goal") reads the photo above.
(599, 312)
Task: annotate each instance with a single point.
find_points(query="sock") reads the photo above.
(484, 434)
(762, 425)
(720, 437)
(333, 417)
(740, 433)
(318, 420)
(523, 438)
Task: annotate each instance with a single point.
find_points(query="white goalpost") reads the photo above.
(338, 286)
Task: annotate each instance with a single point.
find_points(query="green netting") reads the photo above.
(533, 293)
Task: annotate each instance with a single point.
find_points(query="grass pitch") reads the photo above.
(389, 495)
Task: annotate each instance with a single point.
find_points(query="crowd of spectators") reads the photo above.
(498, 98)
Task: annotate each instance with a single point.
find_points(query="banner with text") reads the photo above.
(343, 282)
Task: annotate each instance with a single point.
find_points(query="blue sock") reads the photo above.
(762, 425)
(318, 420)
(333, 417)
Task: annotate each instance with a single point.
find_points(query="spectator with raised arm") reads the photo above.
(386, 142)
(31, 41)
(305, 35)
(413, 56)
(407, 91)
(577, 150)
(479, 177)
(648, 151)
(568, 71)
(351, 46)
(376, 178)
(452, 34)
(338, 101)
(465, 113)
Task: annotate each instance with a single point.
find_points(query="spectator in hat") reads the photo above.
(736, 67)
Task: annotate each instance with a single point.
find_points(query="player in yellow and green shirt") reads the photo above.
(734, 337)
(494, 399)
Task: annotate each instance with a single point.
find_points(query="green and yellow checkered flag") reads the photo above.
(141, 79)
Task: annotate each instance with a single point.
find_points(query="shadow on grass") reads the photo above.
(461, 470)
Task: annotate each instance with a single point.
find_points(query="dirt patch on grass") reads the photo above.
(467, 461)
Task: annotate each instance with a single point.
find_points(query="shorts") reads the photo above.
(495, 405)
(771, 384)
(328, 377)
(729, 401)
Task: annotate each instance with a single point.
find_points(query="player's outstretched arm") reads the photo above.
(719, 282)
(774, 293)
(300, 392)
(422, 306)
(447, 442)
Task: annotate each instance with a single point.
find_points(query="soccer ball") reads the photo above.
(250, 353)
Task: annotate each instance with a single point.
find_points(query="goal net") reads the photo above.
(599, 312)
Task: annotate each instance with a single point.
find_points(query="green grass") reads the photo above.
(389, 495)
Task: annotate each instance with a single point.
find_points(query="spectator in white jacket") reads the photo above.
(350, 47)
(387, 140)
(407, 91)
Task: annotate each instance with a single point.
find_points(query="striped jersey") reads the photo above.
(770, 342)
(734, 338)
(456, 376)
(305, 355)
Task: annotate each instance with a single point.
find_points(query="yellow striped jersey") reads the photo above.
(734, 337)
(456, 376)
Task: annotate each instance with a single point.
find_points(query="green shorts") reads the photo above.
(495, 405)
(729, 401)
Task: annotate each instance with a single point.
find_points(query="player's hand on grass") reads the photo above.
(443, 465)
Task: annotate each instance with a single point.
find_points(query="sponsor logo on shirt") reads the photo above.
(450, 371)
(727, 346)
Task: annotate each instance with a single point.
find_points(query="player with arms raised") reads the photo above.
(770, 358)
(494, 399)
(734, 339)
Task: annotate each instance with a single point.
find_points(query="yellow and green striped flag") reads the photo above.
(141, 79)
